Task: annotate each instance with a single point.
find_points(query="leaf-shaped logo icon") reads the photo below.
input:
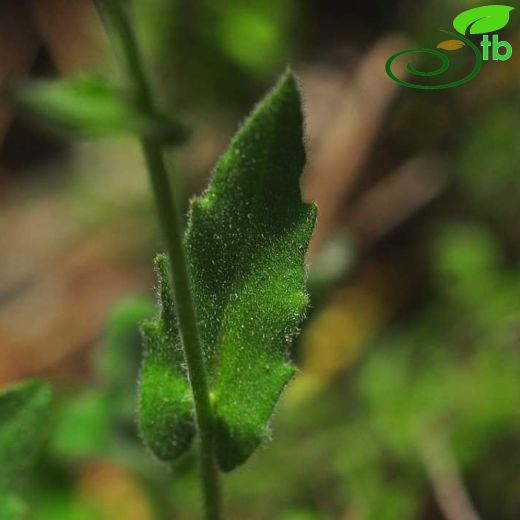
(451, 45)
(482, 20)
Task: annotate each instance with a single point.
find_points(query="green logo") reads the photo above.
(480, 20)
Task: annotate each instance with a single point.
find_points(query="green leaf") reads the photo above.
(481, 20)
(246, 242)
(165, 403)
(81, 428)
(90, 106)
(23, 410)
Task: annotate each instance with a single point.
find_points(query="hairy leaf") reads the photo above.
(484, 19)
(90, 106)
(165, 402)
(23, 410)
(246, 242)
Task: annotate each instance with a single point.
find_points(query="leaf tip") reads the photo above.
(286, 87)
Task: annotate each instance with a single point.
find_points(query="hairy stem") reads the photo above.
(125, 42)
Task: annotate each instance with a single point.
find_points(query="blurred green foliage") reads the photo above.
(98, 422)
(488, 159)
(217, 54)
(23, 418)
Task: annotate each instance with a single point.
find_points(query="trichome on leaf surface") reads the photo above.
(245, 243)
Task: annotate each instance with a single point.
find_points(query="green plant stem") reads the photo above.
(171, 223)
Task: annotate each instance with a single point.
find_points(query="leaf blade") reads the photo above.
(246, 242)
(166, 422)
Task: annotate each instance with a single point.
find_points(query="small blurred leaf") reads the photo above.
(252, 34)
(23, 410)
(481, 20)
(82, 427)
(165, 403)
(467, 260)
(468, 252)
(119, 357)
(90, 106)
(451, 45)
